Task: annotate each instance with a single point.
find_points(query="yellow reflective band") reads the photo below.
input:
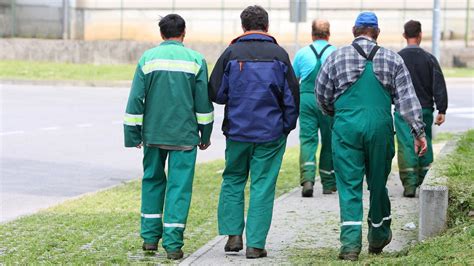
(171, 65)
(133, 120)
(205, 118)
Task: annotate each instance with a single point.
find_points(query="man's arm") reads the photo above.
(203, 106)
(291, 99)
(324, 88)
(440, 92)
(133, 119)
(219, 80)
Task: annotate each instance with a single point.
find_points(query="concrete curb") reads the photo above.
(434, 200)
(75, 83)
(211, 244)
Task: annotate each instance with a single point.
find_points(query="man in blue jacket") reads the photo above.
(254, 79)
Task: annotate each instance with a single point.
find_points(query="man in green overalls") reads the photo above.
(357, 85)
(306, 64)
(169, 113)
(430, 88)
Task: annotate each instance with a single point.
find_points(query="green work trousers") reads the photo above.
(263, 161)
(313, 120)
(173, 192)
(363, 143)
(411, 167)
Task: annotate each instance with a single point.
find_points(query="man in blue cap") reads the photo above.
(357, 85)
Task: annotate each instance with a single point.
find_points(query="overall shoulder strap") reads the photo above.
(319, 55)
(363, 54)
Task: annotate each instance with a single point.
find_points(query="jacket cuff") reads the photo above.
(443, 112)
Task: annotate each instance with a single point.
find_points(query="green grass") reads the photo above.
(458, 72)
(455, 246)
(103, 228)
(30, 70)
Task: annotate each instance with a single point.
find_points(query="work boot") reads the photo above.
(150, 246)
(174, 255)
(329, 191)
(352, 256)
(409, 192)
(307, 189)
(255, 253)
(234, 244)
(378, 250)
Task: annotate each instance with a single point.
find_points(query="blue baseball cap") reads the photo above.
(367, 19)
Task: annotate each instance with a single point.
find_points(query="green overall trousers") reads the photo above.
(173, 192)
(263, 161)
(363, 143)
(413, 168)
(312, 120)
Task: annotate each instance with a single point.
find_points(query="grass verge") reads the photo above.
(31, 70)
(455, 246)
(103, 228)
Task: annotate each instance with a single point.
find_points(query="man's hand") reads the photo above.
(440, 119)
(420, 146)
(204, 146)
(139, 146)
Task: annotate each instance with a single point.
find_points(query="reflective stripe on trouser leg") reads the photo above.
(264, 168)
(426, 160)
(407, 159)
(326, 168)
(178, 197)
(230, 212)
(308, 137)
(349, 169)
(153, 194)
(379, 150)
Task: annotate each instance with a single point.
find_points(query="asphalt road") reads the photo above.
(59, 142)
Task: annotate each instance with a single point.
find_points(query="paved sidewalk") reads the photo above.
(294, 215)
(314, 223)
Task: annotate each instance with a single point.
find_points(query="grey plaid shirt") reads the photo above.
(344, 67)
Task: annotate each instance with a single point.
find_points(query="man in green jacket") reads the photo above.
(168, 113)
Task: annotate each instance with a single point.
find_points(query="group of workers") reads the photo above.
(344, 93)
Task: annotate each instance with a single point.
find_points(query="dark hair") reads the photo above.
(412, 29)
(254, 18)
(172, 25)
(320, 30)
(364, 30)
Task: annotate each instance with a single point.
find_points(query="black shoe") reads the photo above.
(378, 250)
(307, 191)
(174, 255)
(234, 244)
(150, 247)
(409, 192)
(255, 253)
(352, 256)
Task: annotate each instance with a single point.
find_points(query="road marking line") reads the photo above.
(84, 125)
(460, 110)
(49, 128)
(468, 116)
(12, 133)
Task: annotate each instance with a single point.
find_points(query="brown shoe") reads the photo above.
(234, 244)
(255, 253)
(352, 256)
(329, 190)
(150, 246)
(174, 255)
(378, 250)
(307, 191)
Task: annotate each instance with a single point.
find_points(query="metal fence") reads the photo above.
(218, 21)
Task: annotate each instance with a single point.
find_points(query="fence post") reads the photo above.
(13, 7)
(436, 28)
(65, 19)
(466, 34)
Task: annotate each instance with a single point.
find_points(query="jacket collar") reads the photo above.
(254, 36)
